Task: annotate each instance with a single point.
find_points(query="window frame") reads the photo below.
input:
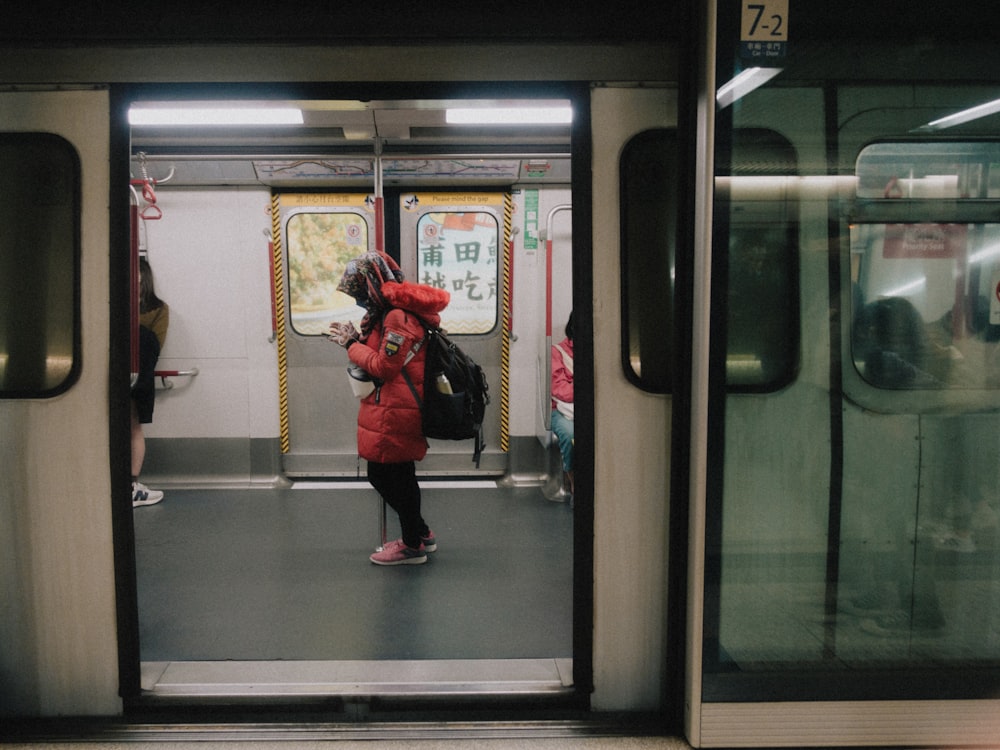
(32, 145)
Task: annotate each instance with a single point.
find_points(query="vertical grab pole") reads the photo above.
(133, 289)
(379, 204)
(381, 526)
(380, 247)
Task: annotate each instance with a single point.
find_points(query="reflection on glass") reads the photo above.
(762, 304)
(921, 562)
(928, 170)
(854, 552)
(925, 308)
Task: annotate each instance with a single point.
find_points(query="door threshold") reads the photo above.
(415, 678)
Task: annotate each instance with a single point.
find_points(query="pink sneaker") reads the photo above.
(397, 553)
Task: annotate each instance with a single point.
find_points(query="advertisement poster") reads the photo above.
(458, 250)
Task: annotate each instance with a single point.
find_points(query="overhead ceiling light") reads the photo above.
(743, 84)
(509, 116)
(974, 113)
(194, 115)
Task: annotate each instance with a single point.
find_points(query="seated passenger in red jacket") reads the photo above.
(562, 402)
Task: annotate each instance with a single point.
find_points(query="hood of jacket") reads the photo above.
(422, 300)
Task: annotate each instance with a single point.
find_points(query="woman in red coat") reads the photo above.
(390, 437)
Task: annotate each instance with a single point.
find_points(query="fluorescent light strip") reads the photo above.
(510, 116)
(966, 115)
(160, 116)
(743, 84)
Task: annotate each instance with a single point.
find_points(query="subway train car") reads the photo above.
(777, 231)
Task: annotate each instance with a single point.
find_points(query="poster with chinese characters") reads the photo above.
(458, 250)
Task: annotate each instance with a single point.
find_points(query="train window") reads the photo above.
(320, 244)
(763, 299)
(39, 265)
(457, 251)
(648, 199)
(925, 266)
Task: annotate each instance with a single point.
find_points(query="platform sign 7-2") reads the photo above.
(764, 28)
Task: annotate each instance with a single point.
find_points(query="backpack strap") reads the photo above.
(416, 347)
(413, 390)
(410, 355)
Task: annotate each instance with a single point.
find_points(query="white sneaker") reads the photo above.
(142, 495)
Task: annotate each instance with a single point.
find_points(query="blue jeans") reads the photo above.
(563, 428)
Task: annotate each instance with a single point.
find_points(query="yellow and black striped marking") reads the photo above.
(508, 210)
(279, 313)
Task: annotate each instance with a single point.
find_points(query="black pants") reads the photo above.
(144, 390)
(397, 484)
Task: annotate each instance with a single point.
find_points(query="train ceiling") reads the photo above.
(335, 146)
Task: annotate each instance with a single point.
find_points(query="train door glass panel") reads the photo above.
(39, 265)
(457, 251)
(924, 333)
(320, 245)
(851, 546)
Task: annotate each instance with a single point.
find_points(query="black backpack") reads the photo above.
(455, 391)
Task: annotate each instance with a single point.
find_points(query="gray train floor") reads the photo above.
(283, 574)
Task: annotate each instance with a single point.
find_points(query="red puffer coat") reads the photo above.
(389, 428)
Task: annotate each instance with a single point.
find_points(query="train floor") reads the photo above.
(240, 587)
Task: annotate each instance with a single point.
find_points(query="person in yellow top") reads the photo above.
(154, 318)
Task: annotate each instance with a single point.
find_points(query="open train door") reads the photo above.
(54, 387)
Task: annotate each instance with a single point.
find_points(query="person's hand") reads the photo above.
(342, 333)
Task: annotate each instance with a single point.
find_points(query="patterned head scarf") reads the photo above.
(363, 279)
